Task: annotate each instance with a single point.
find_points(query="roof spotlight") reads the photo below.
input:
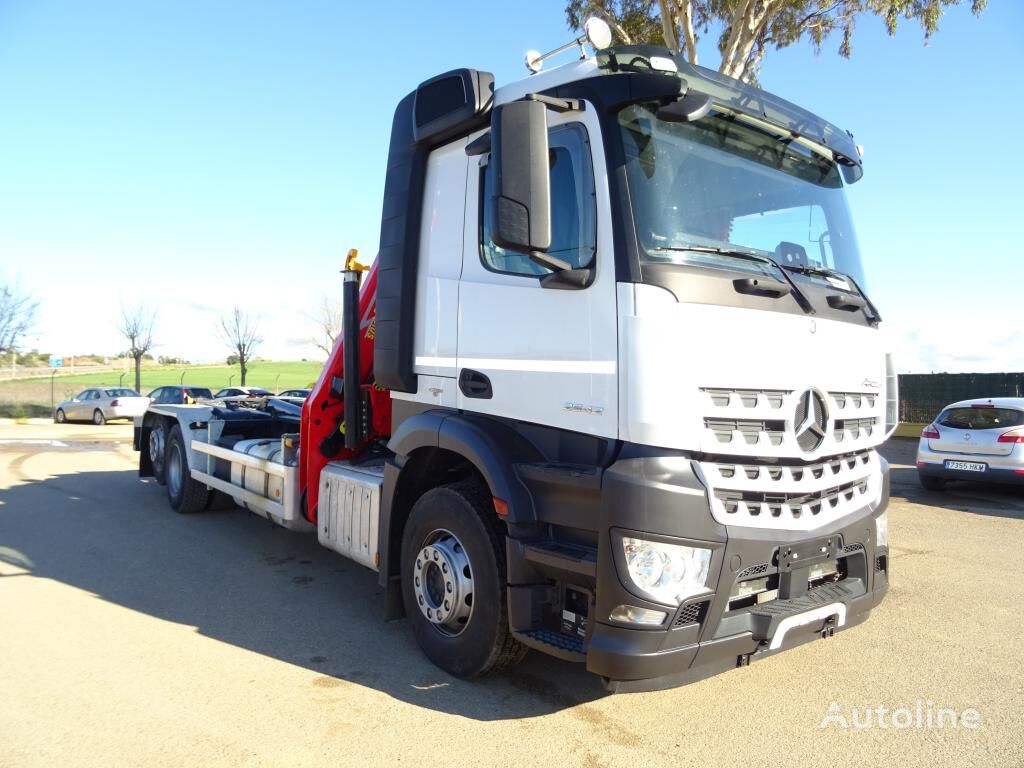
(595, 31)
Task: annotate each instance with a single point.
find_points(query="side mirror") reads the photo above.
(521, 191)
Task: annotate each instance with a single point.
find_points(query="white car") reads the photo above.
(243, 392)
(980, 440)
(101, 404)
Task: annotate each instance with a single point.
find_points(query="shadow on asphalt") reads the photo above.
(239, 580)
(990, 499)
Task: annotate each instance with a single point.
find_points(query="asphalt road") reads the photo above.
(130, 635)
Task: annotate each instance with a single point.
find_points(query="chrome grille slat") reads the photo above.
(804, 497)
(760, 422)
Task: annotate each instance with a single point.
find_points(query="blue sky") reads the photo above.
(197, 155)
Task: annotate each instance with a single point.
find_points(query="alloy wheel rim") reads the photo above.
(443, 583)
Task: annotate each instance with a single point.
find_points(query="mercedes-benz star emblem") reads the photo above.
(811, 420)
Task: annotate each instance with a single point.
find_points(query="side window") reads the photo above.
(90, 395)
(573, 227)
(82, 395)
(159, 395)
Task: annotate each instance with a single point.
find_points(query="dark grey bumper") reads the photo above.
(660, 498)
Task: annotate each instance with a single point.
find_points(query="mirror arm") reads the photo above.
(556, 104)
(570, 279)
(481, 145)
(549, 262)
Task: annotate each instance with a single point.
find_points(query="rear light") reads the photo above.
(1018, 471)
(982, 405)
(1013, 436)
(931, 432)
(115, 403)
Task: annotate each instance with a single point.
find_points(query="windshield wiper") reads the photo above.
(799, 295)
(870, 311)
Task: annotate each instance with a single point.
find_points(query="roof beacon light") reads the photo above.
(595, 31)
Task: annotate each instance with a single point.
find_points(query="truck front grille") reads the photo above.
(798, 497)
(760, 422)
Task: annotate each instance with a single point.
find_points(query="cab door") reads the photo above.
(536, 354)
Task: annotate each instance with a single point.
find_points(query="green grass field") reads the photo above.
(31, 397)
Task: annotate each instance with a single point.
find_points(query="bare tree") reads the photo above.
(17, 315)
(328, 324)
(240, 331)
(137, 328)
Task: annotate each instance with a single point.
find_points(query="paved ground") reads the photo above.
(133, 636)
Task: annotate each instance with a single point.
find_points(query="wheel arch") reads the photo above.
(435, 448)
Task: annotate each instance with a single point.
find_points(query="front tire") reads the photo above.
(60, 417)
(184, 494)
(930, 482)
(98, 418)
(454, 581)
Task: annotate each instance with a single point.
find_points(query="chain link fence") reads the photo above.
(923, 395)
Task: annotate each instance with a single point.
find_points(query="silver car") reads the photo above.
(101, 404)
(981, 440)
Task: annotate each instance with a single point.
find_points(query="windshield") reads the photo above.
(121, 392)
(980, 418)
(721, 183)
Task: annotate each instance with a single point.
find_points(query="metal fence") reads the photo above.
(923, 395)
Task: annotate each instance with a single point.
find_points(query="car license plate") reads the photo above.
(969, 466)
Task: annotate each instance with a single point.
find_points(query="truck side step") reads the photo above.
(552, 643)
(564, 557)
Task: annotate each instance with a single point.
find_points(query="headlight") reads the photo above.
(668, 572)
(882, 530)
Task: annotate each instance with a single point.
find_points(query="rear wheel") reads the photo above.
(98, 418)
(185, 494)
(158, 450)
(453, 581)
(60, 417)
(930, 482)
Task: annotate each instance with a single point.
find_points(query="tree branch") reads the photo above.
(668, 24)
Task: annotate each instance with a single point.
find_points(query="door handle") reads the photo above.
(475, 384)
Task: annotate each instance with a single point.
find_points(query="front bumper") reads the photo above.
(703, 637)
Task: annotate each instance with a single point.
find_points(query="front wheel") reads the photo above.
(185, 494)
(60, 417)
(98, 418)
(453, 581)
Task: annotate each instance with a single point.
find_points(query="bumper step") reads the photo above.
(768, 617)
(553, 643)
(563, 557)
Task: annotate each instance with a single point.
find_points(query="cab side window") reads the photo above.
(573, 216)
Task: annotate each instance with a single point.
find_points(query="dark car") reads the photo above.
(179, 395)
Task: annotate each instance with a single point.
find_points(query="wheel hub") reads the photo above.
(443, 583)
(156, 446)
